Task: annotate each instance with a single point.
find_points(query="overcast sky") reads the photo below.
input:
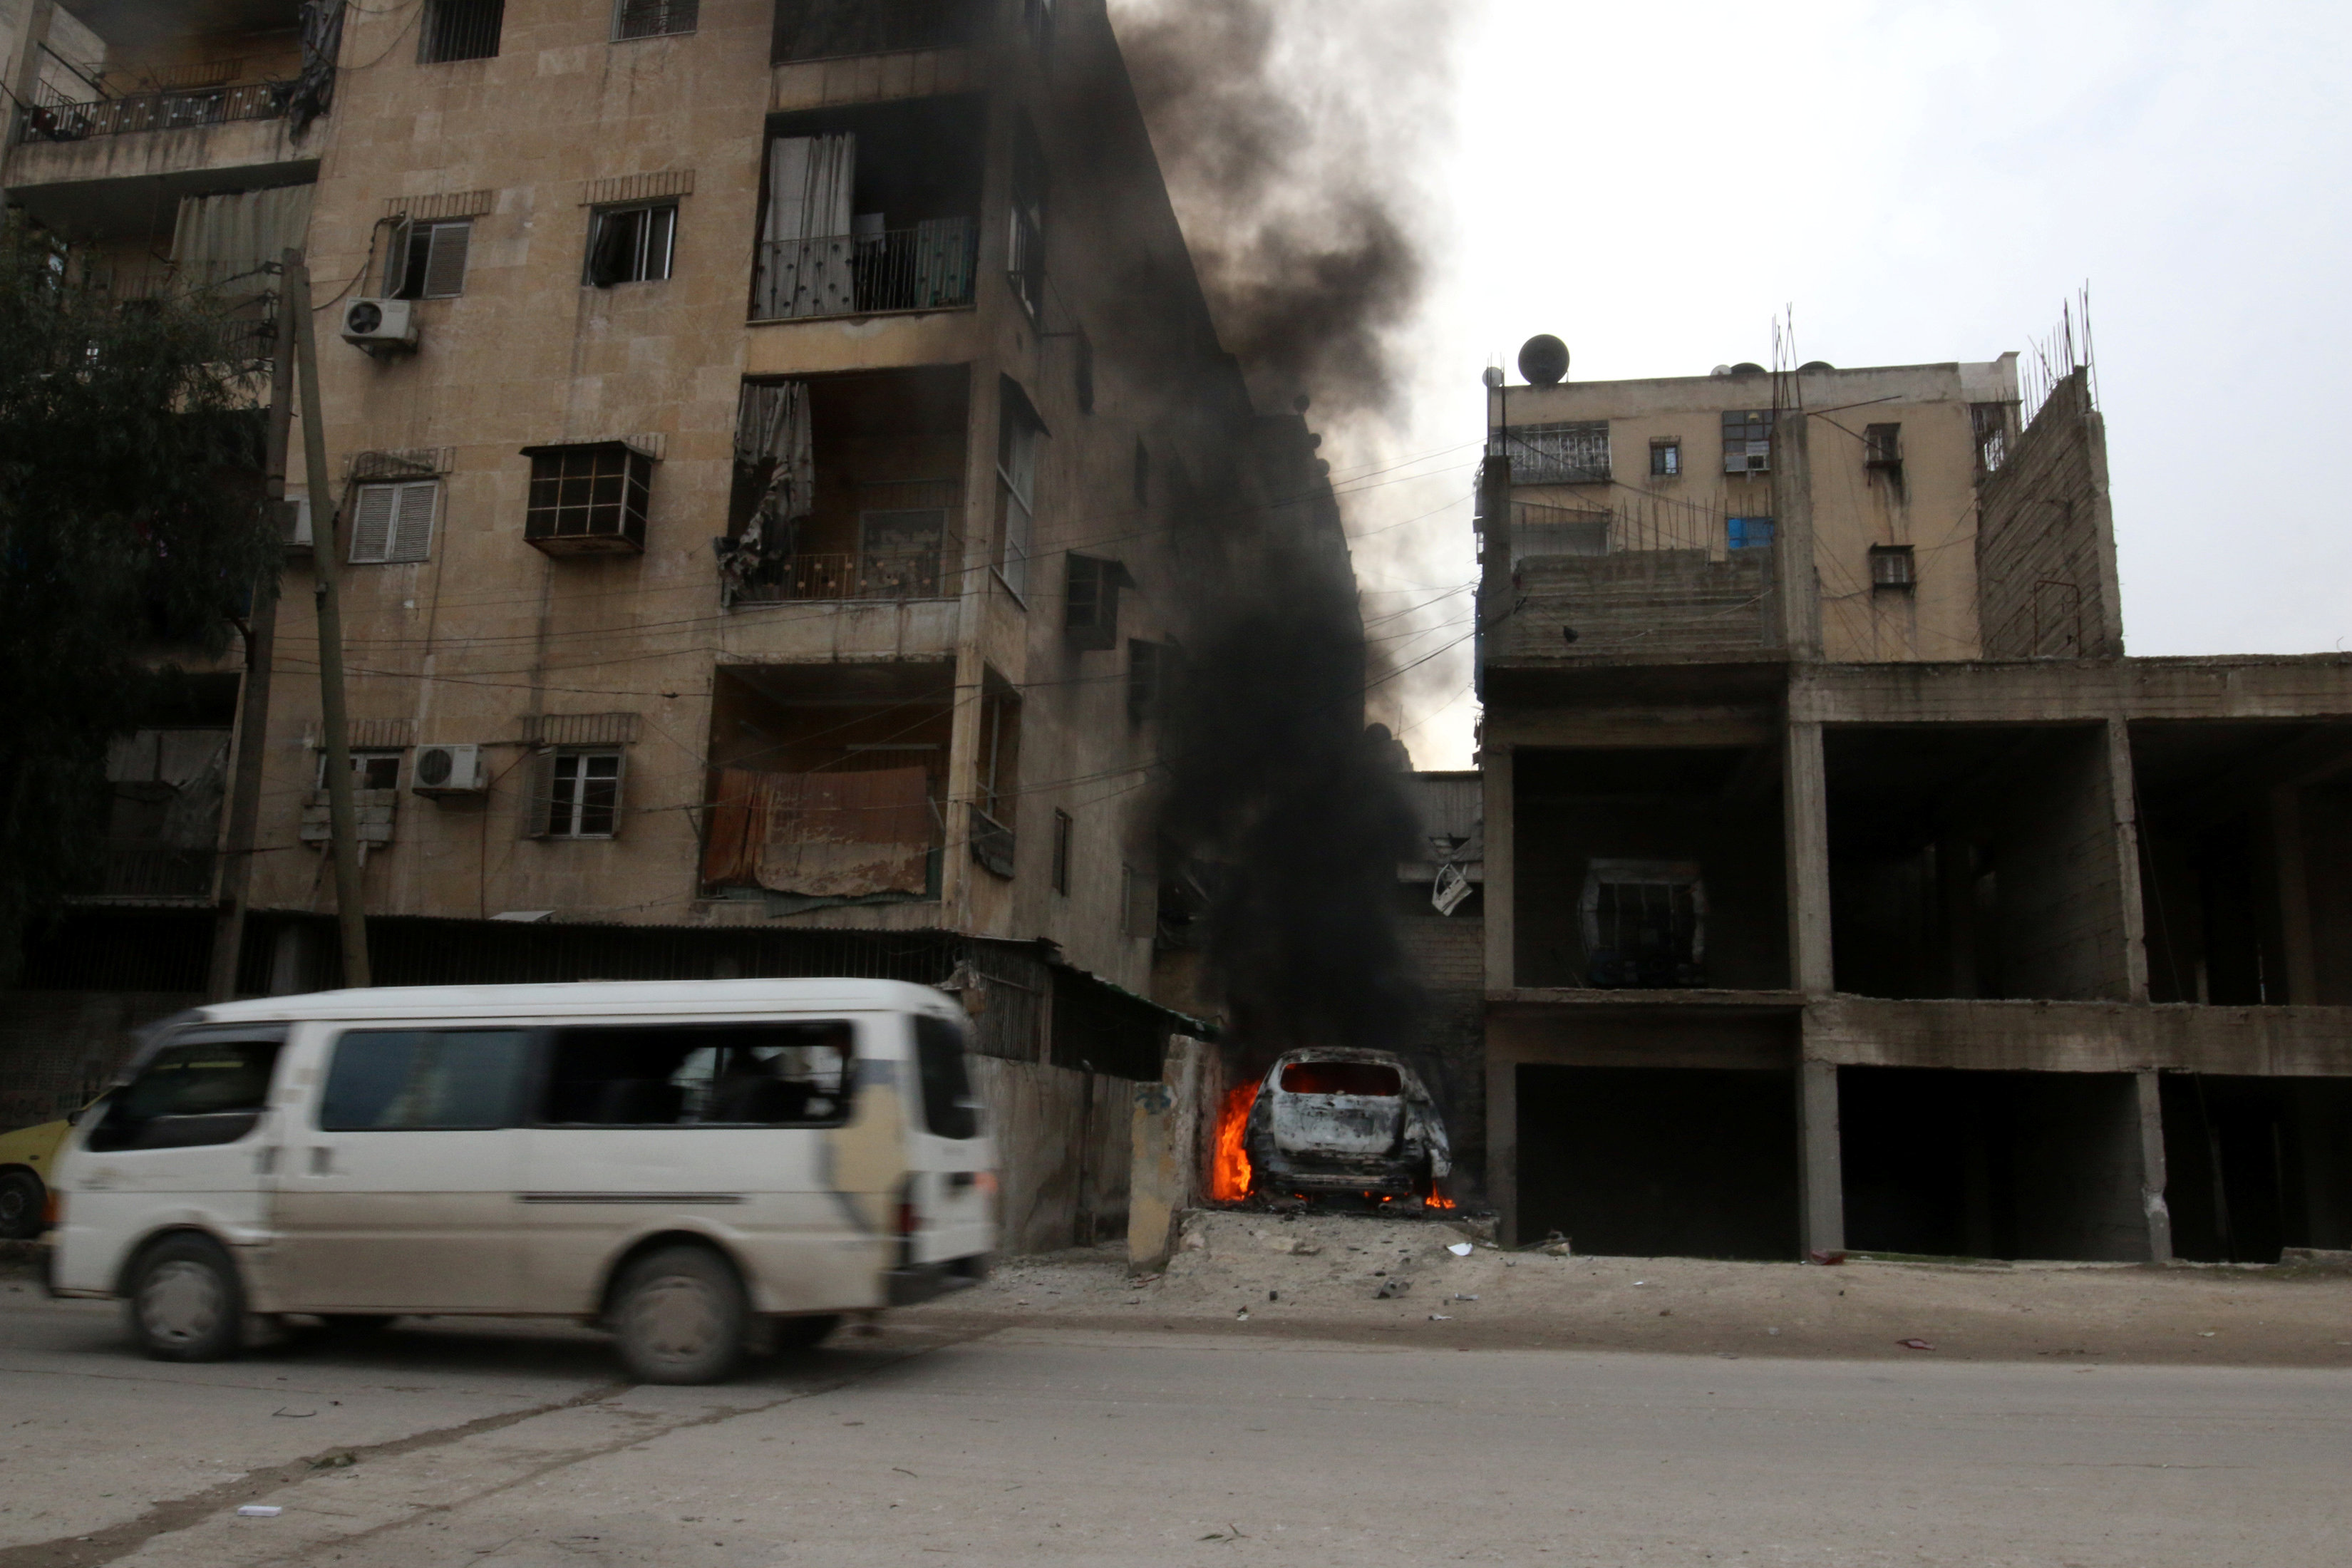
(1920, 183)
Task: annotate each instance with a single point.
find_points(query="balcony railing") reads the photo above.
(145, 873)
(829, 29)
(930, 267)
(907, 575)
(173, 111)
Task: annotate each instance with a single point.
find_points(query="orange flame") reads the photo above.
(1229, 1165)
(1438, 1200)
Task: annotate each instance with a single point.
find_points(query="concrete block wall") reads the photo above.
(2062, 899)
(1652, 605)
(2045, 543)
(1066, 1152)
(1448, 955)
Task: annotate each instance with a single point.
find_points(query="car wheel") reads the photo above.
(680, 1316)
(186, 1301)
(23, 1205)
(804, 1333)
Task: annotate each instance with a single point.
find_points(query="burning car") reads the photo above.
(1338, 1121)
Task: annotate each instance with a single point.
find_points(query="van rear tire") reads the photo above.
(186, 1303)
(680, 1316)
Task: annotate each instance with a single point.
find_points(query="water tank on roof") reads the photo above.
(1543, 360)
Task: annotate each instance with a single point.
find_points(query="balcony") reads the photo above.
(1649, 578)
(837, 29)
(148, 874)
(61, 120)
(931, 267)
(798, 579)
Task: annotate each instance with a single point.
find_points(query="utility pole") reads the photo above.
(343, 819)
(261, 654)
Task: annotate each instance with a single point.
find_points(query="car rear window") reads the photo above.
(949, 1109)
(1368, 1079)
(190, 1095)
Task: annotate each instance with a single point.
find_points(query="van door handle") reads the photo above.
(322, 1160)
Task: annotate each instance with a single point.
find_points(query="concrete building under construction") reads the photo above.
(1845, 884)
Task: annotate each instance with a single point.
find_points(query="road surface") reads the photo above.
(518, 1444)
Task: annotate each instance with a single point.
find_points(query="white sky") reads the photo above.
(1921, 183)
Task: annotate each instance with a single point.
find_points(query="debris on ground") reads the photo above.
(1906, 1344)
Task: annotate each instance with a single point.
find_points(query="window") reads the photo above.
(1665, 458)
(789, 1074)
(1882, 445)
(631, 244)
(1018, 436)
(1572, 453)
(1891, 566)
(189, 1095)
(1142, 473)
(653, 18)
(425, 1080)
(998, 797)
(1090, 605)
(1027, 257)
(1139, 901)
(1989, 423)
(394, 523)
(370, 769)
(1063, 824)
(1644, 923)
(1748, 441)
(460, 30)
(949, 1109)
(1748, 532)
(427, 260)
(579, 795)
(1147, 679)
(588, 498)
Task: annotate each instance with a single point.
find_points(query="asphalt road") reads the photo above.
(449, 1443)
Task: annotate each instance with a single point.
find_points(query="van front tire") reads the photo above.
(679, 1315)
(186, 1303)
(24, 1204)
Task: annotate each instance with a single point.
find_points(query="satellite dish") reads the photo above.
(1543, 360)
(1815, 364)
(1493, 376)
(1720, 370)
(1747, 367)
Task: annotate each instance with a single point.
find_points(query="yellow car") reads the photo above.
(24, 1156)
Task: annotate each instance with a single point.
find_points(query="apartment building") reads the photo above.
(1845, 884)
(766, 435)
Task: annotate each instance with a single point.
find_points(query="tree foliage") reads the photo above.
(132, 535)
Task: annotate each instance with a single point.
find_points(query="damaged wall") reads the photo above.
(2046, 538)
(1073, 1132)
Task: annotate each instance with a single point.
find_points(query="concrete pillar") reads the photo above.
(1502, 870)
(2122, 790)
(1804, 794)
(1503, 1139)
(1820, 1164)
(2151, 1169)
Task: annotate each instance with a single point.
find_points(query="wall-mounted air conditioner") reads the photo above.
(448, 770)
(380, 326)
(294, 524)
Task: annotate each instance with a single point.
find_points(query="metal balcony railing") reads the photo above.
(897, 574)
(174, 110)
(142, 873)
(830, 29)
(930, 267)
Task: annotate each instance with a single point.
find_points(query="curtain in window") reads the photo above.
(806, 253)
(832, 835)
(222, 242)
(772, 442)
(322, 42)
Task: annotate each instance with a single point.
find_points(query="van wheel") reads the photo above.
(804, 1333)
(680, 1316)
(186, 1301)
(24, 1202)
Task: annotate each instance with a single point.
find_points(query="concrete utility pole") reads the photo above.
(261, 654)
(324, 543)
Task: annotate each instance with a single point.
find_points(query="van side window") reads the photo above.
(794, 1074)
(949, 1109)
(383, 1081)
(189, 1095)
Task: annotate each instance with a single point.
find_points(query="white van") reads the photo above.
(690, 1164)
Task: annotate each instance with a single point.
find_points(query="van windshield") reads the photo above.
(796, 1074)
(189, 1095)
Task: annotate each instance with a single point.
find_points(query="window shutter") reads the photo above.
(395, 259)
(445, 265)
(411, 523)
(371, 523)
(539, 807)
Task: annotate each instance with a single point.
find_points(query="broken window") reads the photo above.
(1748, 532)
(1988, 423)
(655, 18)
(1644, 923)
(1370, 1080)
(1570, 453)
(427, 260)
(1018, 437)
(577, 794)
(425, 1080)
(1091, 603)
(460, 30)
(1748, 441)
(998, 795)
(1063, 826)
(1665, 458)
(587, 499)
(782, 1074)
(632, 245)
(1026, 256)
(1891, 566)
(1882, 445)
(374, 769)
(394, 523)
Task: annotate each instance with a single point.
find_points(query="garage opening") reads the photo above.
(2256, 1164)
(1660, 1161)
(1991, 1164)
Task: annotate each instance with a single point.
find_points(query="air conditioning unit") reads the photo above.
(294, 524)
(448, 770)
(380, 326)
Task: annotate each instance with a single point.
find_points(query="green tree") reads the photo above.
(132, 535)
